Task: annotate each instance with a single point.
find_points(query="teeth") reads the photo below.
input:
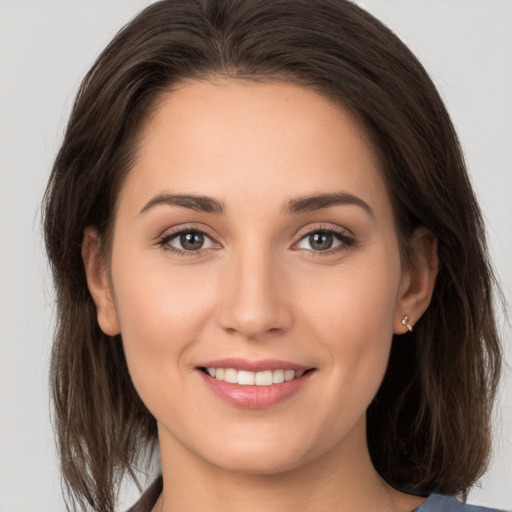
(278, 376)
(263, 378)
(289, 375)
(231, 375)
(245, 378)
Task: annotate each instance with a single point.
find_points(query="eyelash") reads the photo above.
(341, 235)
(165, 239)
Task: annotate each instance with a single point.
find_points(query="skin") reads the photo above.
(259, 289)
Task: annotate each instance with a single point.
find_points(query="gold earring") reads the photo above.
(405, 321)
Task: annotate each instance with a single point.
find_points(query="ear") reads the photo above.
(418, 280)
(98, 282)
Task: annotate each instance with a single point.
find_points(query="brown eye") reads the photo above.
(321, 241)
(192, 241)
(187, 241)
(328, 241)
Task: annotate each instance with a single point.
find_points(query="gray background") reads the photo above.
(46, 48)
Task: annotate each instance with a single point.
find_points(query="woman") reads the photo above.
(272, 267)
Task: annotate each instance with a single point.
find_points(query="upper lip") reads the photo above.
(253, 366)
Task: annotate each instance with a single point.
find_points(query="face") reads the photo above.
(255, 240)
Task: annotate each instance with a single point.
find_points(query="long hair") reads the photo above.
(429, 425)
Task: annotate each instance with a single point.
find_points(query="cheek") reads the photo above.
(350, 315)
(156, 299)
(353, 306)
(161, 312)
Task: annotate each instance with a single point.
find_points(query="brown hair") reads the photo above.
(429, 425)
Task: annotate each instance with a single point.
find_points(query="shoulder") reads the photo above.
(439, 503)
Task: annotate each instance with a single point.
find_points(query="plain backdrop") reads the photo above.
(45, 49)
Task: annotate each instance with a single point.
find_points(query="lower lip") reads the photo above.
(255, 397)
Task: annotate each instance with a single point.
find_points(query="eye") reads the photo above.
(187, 241)
(325, 240)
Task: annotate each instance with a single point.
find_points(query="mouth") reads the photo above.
(254, 384)
(250, 378)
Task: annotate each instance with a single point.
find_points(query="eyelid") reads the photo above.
(344, 236)
(324, 227)
(170, 234)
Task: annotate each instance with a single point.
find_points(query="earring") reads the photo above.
(405, 321)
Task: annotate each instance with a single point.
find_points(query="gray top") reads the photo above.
(438, 503)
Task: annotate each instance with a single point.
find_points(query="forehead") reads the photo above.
(246, 139)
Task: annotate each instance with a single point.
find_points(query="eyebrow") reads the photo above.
(320, 201)
(294, 206)
(193, 202)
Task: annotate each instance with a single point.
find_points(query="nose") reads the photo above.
(254, 299)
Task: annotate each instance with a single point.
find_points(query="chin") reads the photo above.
(257, 464)
(267, 456)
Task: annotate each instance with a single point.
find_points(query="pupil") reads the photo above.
(320, 241)
(191, 241)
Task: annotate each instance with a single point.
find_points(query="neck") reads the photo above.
(339, 480)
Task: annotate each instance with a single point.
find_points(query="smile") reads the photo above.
(254, 384)
(248, 378)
